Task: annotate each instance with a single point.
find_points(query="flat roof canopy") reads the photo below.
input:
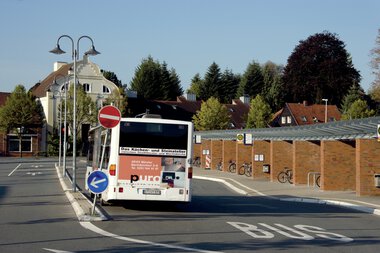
(338, 130)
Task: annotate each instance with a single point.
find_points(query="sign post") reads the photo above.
(97, 183)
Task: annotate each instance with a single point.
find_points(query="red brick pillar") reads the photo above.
(261, 156)
(307, 158)
(243, 155)
(367, 165)
(338, 165)
(229, 153)
(197, 150)
(217, 152)
(281, 157)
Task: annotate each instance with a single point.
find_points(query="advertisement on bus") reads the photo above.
(152, 171)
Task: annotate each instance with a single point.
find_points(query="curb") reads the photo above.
(81, 214)
(363, 209)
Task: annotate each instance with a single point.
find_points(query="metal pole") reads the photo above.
(60, 130)
(74, 124)
(65, 133)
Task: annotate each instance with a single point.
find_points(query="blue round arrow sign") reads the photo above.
(97, 182)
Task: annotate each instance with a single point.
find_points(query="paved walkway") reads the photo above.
(289, 192)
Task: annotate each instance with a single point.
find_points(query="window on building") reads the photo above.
(14, 144)
(303, 118)
(106, 90)
(283, 120)
(289, 119)
(87, 87)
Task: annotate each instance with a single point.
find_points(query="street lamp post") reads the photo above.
(66, 80)
(326, 100)
(75, 56)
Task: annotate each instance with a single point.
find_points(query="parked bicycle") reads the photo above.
(286, 175)
(232, 167)
(219, 166)
(318, 181)
(196, 161)
(246, 169)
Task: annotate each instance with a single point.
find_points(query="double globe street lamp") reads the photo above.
(75, 57)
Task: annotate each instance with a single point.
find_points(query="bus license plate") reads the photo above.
(152, 191)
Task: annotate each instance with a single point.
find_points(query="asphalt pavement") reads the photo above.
(289, 192)
(244, 186)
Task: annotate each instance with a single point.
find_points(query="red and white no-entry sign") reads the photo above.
(109, 116)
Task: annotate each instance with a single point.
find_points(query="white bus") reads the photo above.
(144, 158)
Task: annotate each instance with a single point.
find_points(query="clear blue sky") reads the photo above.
(187, 35)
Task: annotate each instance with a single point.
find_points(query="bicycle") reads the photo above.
(196, 161)
(219, 166)
(232, 167)
(286, 175)
(246, 169)
(318, 181)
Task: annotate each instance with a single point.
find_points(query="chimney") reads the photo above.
(191, 97)
(58, 65)
(305, 103)
(245, 99)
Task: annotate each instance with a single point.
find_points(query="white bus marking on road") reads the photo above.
(93, 228)
(10, 174)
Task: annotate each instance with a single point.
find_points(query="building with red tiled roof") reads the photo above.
(3, 97)
(238, 109)
(294, 114)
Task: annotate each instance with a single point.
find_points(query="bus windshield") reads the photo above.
(153, 139)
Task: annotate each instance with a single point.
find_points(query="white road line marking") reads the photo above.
(10, 174)
(57, 251)
(93, 228)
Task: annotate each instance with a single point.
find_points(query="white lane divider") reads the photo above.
(18, 166)
(93, 228)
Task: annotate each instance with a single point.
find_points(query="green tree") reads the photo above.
(147, 79)
(118, 99)
(111, 76)
(272, 90)
(171, 85)
(86, 111)
(318, 68)
(212, 116)
(20, 113)
(211, 84)
(195, 86)
(259, 113)
(375, 64)
(20, 110)
(230, 83)
(153, 80)
(359, 109)
(354, 93)
(252, 81)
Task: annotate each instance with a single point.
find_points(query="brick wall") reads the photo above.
(217, 152)
(261, 148)
(338, 165)
(197, 150)
(307, 158)
(243, 155)
(367, 165)
(281, 157)
(229, 153)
